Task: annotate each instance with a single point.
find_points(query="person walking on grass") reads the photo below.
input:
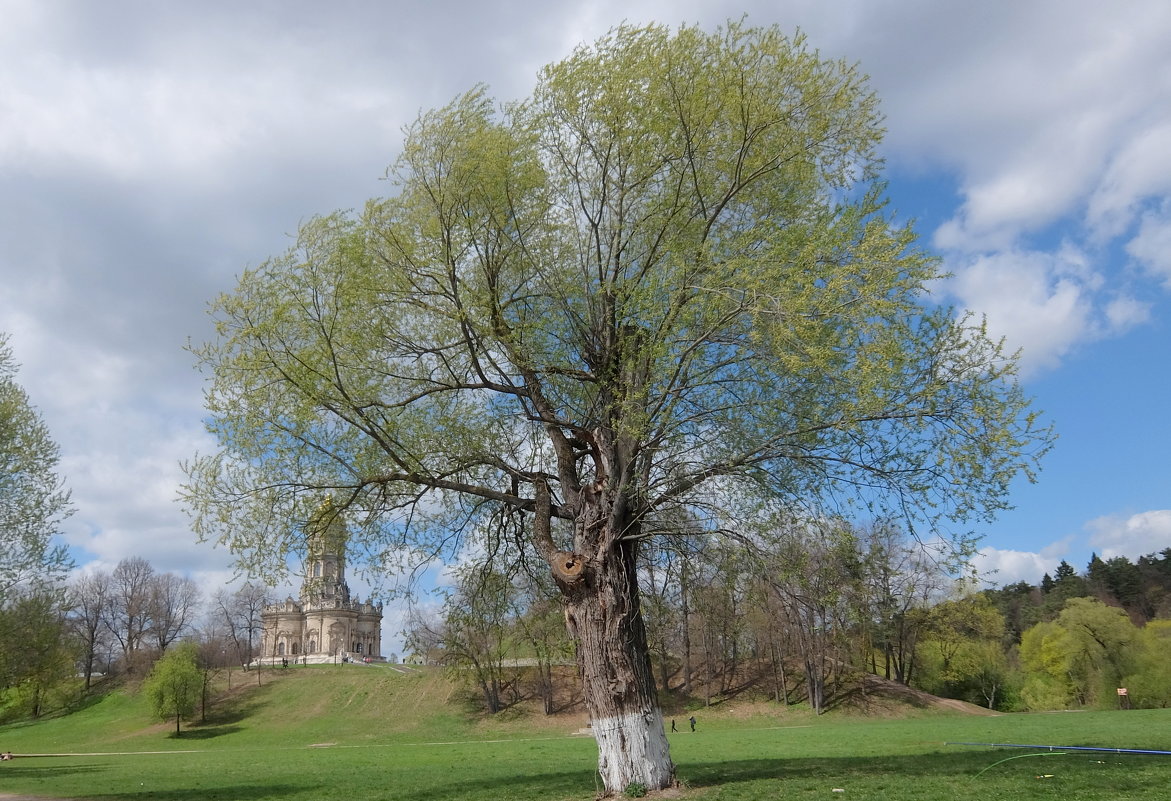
(691, 720)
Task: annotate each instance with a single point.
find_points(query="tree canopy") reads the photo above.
(671, 265)
(175, 684)
(33, 500)
(665, 281)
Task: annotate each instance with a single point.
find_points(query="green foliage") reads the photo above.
(1142, 588)
(1080, 658)
(1149, 685)
(37, 653)
(634, 790)
(1020, 604)
(36, 650)
(1067, 584)
(1103, 644)
(964, 653)
(663, 287)
(175, 684)
(33, 501)
(1046, 659)
(669, 268)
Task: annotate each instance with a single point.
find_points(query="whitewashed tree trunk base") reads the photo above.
(632, 749)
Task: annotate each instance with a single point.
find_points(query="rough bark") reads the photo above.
(602, 612)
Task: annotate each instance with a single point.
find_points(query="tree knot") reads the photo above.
(567, 566)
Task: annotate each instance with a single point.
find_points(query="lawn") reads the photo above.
(366, 735)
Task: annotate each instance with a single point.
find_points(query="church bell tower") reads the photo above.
(325, 566)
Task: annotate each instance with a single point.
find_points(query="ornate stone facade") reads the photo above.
(325, 624)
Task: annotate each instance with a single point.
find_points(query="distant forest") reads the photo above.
(805, 622)
(802, 623)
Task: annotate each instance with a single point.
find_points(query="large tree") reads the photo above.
(128, 607)
(240, 613)
(664, 278)
(33, 500)
(171, 607)
(90, 602)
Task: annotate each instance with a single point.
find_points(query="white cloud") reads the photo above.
(1043, 303)
(125, 483)
(1021, 194)
(1140, 169)
(1053, 116)
(1002, 567)
(1151, 246)
(1036, 117)
(1133, 536)
(1125, 313)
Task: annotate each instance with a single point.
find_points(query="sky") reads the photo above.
(150, 152)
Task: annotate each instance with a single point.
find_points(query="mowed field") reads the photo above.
(368, 733)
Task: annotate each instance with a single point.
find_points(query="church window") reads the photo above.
(280, 649)
(358, 647)
(312, 649)
(317, 570)
(296, 649)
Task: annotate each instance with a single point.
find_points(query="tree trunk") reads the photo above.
(784, 682)
(684, 590)
(735, 666)
(664, 676)
(990, 696)
(545, 671)
(603, 615)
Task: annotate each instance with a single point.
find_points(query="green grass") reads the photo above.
(364, 733)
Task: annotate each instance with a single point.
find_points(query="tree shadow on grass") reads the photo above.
(526, 787)
(705, 775)
(972, 775)
(238, 706)
(205, 732)
(40, 770)
(938, 765)
(220, 793)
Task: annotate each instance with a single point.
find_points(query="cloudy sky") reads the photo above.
(150, 151)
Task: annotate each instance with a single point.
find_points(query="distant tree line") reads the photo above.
(57, 639)
(802, 623)
(807, 620)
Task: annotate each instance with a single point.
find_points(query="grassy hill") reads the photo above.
(355, 705)
(330, 733)
(344, 704)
